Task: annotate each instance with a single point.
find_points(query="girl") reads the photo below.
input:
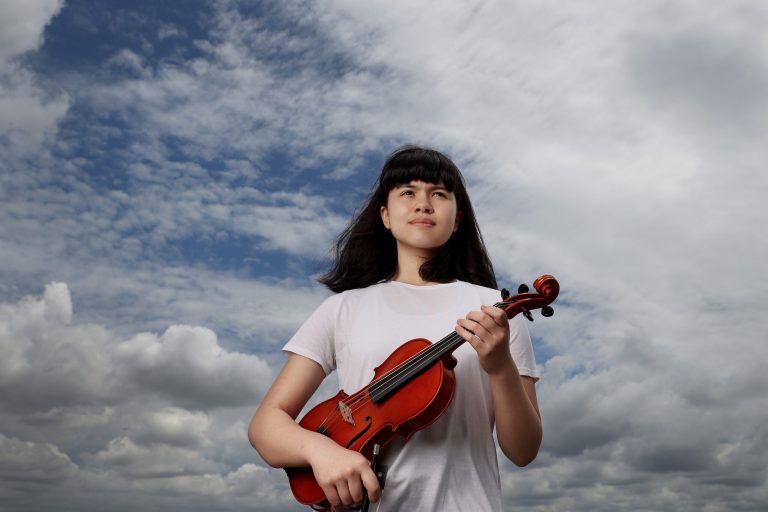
(409, 265)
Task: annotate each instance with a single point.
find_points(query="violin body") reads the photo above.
(409, 391)
(407, 410)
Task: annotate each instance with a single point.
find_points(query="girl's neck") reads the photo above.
(407, 271)
(411, 279)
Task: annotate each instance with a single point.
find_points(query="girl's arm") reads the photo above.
(281, 442)
(518, 422)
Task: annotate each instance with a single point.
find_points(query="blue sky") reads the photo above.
(173, 175)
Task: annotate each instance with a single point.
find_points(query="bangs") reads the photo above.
(419, 164)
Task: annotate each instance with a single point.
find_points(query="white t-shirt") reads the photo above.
(450, 465)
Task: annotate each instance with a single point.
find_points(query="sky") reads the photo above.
(173, 176)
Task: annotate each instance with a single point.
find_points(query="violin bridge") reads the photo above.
(346, 413)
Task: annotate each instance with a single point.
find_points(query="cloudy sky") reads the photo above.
(172, 176)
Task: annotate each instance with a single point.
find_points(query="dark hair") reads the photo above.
(366, 252)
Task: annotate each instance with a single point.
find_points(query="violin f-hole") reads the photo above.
(368, 420)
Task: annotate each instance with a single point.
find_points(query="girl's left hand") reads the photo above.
(487, 331)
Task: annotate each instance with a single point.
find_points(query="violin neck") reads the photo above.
(411, 368)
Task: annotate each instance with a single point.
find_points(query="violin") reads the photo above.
(410, 390)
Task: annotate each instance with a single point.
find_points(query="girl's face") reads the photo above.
(421, 216)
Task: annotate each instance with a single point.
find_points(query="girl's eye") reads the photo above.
(438, 193)
(406, 193)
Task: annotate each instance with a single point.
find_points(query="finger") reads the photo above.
(466, 323)
(488, 326)
(342, 488)
(468, 326)
(469, 337)
(331, 495)
(371, 485)
(498, 315)
(477, 328)
(489, 317)
(475, 316)
(356, 490)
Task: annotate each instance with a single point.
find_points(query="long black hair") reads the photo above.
(366, 252)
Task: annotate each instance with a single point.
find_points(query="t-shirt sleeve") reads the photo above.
(521, 347)
(315, 338)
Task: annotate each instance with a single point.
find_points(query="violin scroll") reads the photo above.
(547, 288)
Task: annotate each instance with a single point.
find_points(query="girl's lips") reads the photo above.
(422, 222)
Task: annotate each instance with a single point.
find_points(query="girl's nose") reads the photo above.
(423, 205)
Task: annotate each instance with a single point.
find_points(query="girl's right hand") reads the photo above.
(342, 473)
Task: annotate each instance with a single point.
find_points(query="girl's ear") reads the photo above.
(385, 216)
(457, 222)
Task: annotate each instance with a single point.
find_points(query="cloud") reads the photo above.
(131, 460)
(188, 365)
(22, 23)
(47, 362)
(84, 409)
(29, 112)
(38, 475)
(205, 172)
(147, 255)
(40, 463)
(174, 426)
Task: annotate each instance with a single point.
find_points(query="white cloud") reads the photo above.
(48, 362)
(45, 362)
(22, 23)
(28, 113)
(126, 59)
(174, 426)
(131, 460)
(83, 409)
(188, 365)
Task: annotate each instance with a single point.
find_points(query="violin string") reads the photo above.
(400, 374)
(418, 364)
(395, 377)
(335, 416)
(402, 369)
(354, 399)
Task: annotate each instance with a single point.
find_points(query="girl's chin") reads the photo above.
(425, 250)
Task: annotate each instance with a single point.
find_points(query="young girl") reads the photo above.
(412, 264)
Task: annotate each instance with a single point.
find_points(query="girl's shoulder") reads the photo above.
(339, 300)
(489, 296)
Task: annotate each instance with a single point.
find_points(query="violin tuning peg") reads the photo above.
(504, 294)
(526, 313)
(523, 288)
(547, 311)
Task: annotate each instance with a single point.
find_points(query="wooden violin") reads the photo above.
(409, 391)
